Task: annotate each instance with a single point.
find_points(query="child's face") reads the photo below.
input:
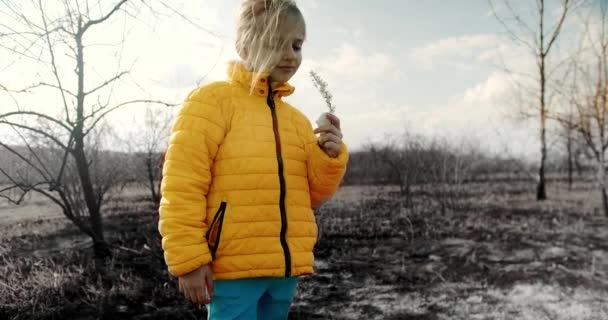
(291, 34)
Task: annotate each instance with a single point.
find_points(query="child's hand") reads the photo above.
(330, 139)
(197, 286)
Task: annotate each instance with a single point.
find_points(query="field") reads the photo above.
(496, 254)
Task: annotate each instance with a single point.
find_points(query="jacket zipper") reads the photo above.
(219, 219)
(277, 138)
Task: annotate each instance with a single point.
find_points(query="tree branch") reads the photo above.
(510, 31)
(185, 18)
(23, 158)
(50, 197)
(100, 117)
(34, 130)
(22, 54)
(107, 82)
(102, 19)
(53, 63)
(558, 28)
(25, 189)
(48, 175)
(9, 198)
(64, 163)
(34, 86)
(21, 17)
(37, 114)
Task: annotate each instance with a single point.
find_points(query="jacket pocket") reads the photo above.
(214, 232)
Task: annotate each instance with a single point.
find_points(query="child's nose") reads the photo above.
(289, 53)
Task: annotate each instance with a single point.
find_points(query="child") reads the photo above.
(242, 175)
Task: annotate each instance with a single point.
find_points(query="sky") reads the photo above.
(431, 67)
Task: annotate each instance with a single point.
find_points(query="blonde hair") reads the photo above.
(257, 35)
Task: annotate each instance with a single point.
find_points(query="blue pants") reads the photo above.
(252, 299)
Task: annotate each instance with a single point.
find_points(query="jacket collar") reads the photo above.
(238, 72)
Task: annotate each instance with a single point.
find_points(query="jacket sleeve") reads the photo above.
(195, 137)
(324, 173)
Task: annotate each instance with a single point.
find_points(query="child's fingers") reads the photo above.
(319, 130)
(188, 294)
(333, 119)
(203, 296)
(332, 146)
(209, 283)
(197, 296)
(328, 129)
(329, 137)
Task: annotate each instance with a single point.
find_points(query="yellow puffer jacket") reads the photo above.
(242, 173)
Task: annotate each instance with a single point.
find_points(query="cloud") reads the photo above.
(461, 50)
(482, 111)
(348, 71)
(476, 113)
(495, 87)
(472, 113)
(353, 63)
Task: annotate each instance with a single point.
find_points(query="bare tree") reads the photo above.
(569, 134)
(539, 39)
(148, 145)
(57, 42)
(573, 144)
(424, 168)
(587, 90)
(450, 169)
(400, 157)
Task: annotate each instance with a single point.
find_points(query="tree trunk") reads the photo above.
(605, 202)
(95, 220)
(408, 194)
(541, 193)
(570, 164)
(397, 172)
(160, 178)
(100, 247)
(401, 184)
(540, 189)
(601, 177)
(150, 166)
(577, 164)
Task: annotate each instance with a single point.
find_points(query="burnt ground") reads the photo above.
(492, 253)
